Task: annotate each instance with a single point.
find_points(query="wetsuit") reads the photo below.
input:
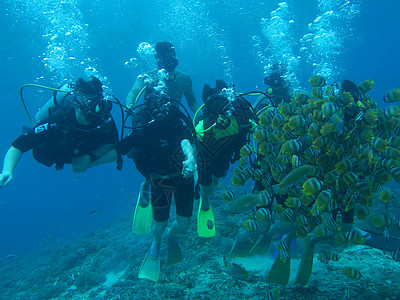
(59, 138)
(220, 146)
(155, 147)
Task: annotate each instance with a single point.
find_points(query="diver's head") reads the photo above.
(91, 87)
(217, 108)
(274, 79)
(351, 87)
(208, 91)
(166, 57)
(88, 98)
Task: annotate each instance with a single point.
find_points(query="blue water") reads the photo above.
(45, 43)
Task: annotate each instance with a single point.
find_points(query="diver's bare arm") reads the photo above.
(189, 95)
(134, 93)
(189, 165)
(187, 149)
(103, 155)
(10, 162)
(108, 157)
(44, 111)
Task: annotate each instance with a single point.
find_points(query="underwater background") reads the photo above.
(50, 42)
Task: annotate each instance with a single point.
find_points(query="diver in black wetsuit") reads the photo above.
(223, 131)
(160, 146)
(79, 130)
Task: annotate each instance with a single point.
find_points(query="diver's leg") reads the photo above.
(180, 225)
(158, 230)
(184, 197)
(215, 181)
(161, 204)
(205, 191)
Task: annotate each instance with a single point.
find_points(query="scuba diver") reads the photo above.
(160, 146)
(278, 91)
(177, 83)
(78, 130)
(223, 130)
(93, 86)
(278, 87)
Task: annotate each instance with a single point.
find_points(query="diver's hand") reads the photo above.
(5, 179)
(189, 167)
(129, 109)
(81, 163)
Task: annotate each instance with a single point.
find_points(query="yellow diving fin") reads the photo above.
(142, 219)
(205, 222)
(150, 268)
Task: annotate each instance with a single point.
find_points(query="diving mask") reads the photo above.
(95, 109)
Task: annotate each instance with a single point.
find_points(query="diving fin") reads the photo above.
(150, 268)
(205, 222)
(280, 270)
(378, 241)
(143, 217)
(240, 248)
(261, 246)
(174, 254)
(307, 259)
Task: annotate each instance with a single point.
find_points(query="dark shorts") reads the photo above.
(217, 168)
(162, 191)
(213, 158)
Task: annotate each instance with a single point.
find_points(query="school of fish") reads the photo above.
(328, 153)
